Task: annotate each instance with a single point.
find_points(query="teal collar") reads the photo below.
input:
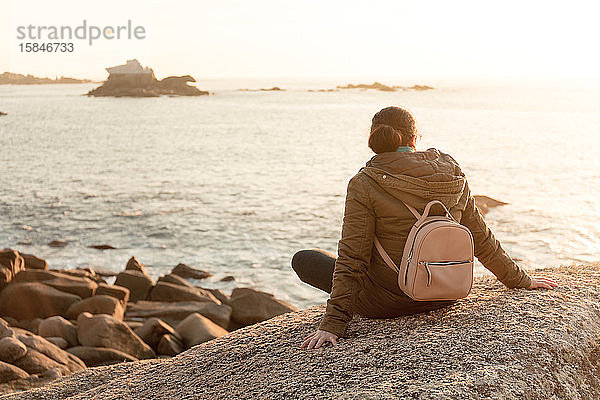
(405, 149)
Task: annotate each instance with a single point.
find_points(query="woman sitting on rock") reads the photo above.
(359, 281)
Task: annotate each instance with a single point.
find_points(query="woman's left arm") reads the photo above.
(354, 255)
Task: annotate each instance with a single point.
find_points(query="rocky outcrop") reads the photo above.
(138, 283)
(174, 312)
(33, 262)
(34, 300)
(102, 247)
(118, 292)
(77, 285)
(59, 327)
(11, 263)
(251, 306)
(196, 329)
(152, 331)
(99, 304)
(11, 349)
(496, 344)
(164, 291)
(188, 272)
(105, 331)
(484, 203)
(131, 80)
(169, 345)
(175, 279)
(133, 264)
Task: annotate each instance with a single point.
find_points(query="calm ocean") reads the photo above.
(236, 182)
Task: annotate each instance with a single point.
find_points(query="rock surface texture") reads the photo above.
(496, 344)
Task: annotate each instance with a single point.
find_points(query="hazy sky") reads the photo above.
(277, 38)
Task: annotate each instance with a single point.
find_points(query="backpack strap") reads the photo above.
(413, 210)
(386, 257)
(420, 217)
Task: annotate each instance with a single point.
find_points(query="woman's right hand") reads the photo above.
(316, 339)
(544, 283)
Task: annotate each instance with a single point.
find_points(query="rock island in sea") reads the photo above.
(133, 80)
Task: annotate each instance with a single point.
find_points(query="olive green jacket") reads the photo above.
(362, 283)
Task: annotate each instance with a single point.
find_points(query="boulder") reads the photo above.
(196, 329)
(187, 272)
(494, 344)
(34, 300)
(58, 243)
(58, 342)
(228, 278)
(82, 273)
(169, 345)
(134, 324)
(98, 304)
(59, 327)
(96, 356)
(30, 325)
(175, 279)
(250, 306)
(135, 265)
(484, 203)
(80, 286)
(104, 273)
(138, 283)
(11, 263)
(173, 313)
(102, 247)
(219, 295)
(153, 330)
(35, 362)
(11, 349)
(9, 373)
(5, 329)
(105, 331)
(43, 356)
(164, 291)
(33, 262)
(68, 363)
(118, 292)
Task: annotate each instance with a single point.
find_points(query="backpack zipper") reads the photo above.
(438, 263)
(445, 262)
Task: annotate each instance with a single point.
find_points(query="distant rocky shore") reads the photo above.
(9, 78)
(132, 80)
(57, 322)
(385, 88)
(375, 86)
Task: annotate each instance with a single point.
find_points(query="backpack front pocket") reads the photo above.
(443, 280)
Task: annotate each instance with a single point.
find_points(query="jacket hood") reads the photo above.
(419, 177)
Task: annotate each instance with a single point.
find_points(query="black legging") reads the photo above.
(315, 267)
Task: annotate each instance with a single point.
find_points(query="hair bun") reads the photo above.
(384, 138)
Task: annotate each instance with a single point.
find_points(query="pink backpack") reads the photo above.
(437, 262)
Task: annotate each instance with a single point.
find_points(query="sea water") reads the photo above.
(237, 181)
